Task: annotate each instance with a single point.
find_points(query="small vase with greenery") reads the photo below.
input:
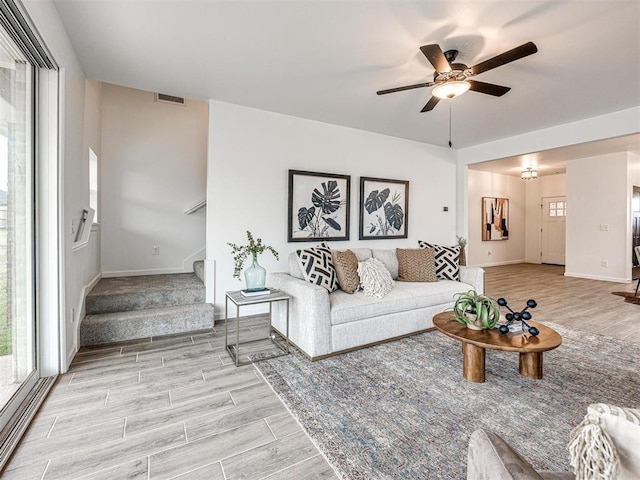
(462, 243)
(476, 311)
(255, 275)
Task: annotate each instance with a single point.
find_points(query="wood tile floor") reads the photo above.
(581, 304)
(177, 408)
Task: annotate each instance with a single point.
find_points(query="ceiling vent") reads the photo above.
(162, 97)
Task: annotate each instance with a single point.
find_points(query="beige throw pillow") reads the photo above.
(346, 265)
(416, 265)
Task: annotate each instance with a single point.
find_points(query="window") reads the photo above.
(17, 223)
(557, 209)
(93, 184)
(30, 342)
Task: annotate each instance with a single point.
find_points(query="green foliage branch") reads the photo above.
(254, 248)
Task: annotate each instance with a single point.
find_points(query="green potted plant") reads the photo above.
(255, 275)
(475, 310)
(462, 243)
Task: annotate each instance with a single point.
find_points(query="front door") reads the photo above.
(554, 223)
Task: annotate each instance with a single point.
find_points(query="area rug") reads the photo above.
(402, 410)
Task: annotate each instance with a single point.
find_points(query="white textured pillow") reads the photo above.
(375, 279)
(604, 445)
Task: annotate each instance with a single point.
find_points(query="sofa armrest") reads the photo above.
(309, 314)
(491, 458)
(474, 276)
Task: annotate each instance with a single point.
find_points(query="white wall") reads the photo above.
(153, 168)
(633, 177)
(547, 186)
(250, 154)
(77, 267)
(503, 252)
(598, 193)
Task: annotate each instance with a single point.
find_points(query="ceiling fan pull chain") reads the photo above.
(450, 144)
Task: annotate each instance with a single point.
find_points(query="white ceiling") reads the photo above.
(551, 162)
(324, 60)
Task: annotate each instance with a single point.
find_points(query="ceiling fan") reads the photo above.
(453, 79)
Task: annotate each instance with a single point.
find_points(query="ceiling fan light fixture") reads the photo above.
(451, 89)
(529, 174)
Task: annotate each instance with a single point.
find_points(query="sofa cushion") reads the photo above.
(294, 266)
(317, 266)
(447, 258)
(416, 265)
(390, 260)
(404, 296)
(362, 253)
(604, 445)
(375, 279)
(346, 265)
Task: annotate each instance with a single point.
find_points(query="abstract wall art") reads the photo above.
(495, 218)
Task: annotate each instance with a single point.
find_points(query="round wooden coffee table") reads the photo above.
(474, 343)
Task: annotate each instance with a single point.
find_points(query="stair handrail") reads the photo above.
(196, 207)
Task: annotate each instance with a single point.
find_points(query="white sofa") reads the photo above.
(323, 324)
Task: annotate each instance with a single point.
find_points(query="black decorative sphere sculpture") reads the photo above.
(521, 316)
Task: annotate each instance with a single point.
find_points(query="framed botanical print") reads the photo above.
(384, 208)
(318, 206)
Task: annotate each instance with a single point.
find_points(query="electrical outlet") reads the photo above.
(73, 227)
(604, 227)
(605, 264)
(155, 250)
(73, 314)
(488, 252)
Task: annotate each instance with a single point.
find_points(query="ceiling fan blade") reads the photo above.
(408, 87)
(512, 55)
(488, 88)
(435, 56)
(430, 105)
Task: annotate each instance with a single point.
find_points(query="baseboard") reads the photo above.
(137, 273)
(597, 277)
(497, 264)
(80, 309)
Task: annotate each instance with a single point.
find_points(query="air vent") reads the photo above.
(162, 97)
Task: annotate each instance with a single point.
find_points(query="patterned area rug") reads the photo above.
(402, 410)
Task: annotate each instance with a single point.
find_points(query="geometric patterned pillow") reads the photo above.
(447, 267)
(317, 266)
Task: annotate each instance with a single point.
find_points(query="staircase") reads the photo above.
(126, 308)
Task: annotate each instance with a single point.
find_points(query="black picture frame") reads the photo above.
(384, 208)
(319, 206)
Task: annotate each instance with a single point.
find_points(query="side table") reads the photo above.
(240, 300)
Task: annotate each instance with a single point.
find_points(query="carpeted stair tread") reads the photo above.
(122, 294)
(198, 269)
(120, 326)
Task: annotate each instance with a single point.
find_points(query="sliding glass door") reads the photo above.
(18, 362)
